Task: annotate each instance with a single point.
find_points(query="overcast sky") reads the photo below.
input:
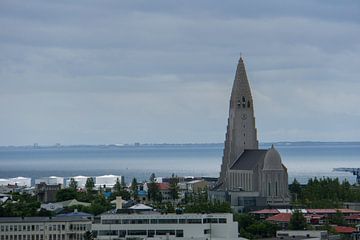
(100, 72)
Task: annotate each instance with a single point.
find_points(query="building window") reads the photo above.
(269, 189)
(179, 233)
(248, 104)
(276, 188)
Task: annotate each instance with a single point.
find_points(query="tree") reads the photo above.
(134, 189)
(73, 184)
(295, 190)
(174, 187)
(118, 187)
(153, 189)
(297, 221)
(119, 190)
(338, 219)
(88, 235)
(66, 194)
(89, 185)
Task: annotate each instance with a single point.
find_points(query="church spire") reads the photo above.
(241, 131)
(241, 86)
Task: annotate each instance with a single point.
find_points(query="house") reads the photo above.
(281, 219)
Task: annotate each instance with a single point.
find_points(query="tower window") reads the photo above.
(239, 103)
(269, 189)
(248, 105)
(243, 99)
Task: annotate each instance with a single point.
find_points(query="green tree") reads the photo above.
(174, 187)
(295, 190)
(118, 187)
(297, 221)
(66, 194)
(153, 190)
(134, 188)
(338, 219)
(73, 184)
(119, 190)
(89, 185)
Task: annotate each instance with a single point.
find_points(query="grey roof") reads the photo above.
(41, 219)
(248, 159)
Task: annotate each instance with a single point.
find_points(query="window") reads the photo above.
(151, 233)
(206, 231)
(248, 104)
(222, 220)
(193, 221)
(168, 221)
(165, 232)
(137, 232)
(179, 233)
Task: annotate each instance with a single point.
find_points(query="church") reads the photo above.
(250, 177)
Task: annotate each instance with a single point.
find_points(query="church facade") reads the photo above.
(249, 176)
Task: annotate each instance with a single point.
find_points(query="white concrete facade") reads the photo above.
(81, 181)
(167, 226)
(43, 228)
(52, 180)
(107, 180)
(19, 181)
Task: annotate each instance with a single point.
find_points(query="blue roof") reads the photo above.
(142, 193)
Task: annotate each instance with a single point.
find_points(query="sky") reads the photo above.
(113, 72)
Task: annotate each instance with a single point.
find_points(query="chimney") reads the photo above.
(119, 202)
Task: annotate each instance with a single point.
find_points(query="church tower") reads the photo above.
(241, 131)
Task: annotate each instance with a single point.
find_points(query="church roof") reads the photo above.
(248, 159)
(272, 160)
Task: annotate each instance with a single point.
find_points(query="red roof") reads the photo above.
(281, 217)
(353, 217)
(331, 211)
(314, 216)
(341, 229)
(163, 186)
(266, 211)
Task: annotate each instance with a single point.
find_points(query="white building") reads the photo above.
(154, 225)
(52, 180)
(19, 181)
(4, 182)
(81, 181)
(44, 228)
(107, 180)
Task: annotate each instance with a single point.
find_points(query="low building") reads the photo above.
(58, 206)
(44, 228)
(281, 219)
(305, 234)
(154, 225)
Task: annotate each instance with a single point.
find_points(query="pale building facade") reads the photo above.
(153, 225)
(44, 228)
(248, 173)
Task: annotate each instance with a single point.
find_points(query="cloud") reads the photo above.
(123, 71)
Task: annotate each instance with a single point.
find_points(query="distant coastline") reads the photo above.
(281, 143)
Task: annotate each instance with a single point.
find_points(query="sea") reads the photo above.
(304, 160)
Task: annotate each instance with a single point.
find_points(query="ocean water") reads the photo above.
(304, 160)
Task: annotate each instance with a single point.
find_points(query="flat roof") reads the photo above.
(43, 219)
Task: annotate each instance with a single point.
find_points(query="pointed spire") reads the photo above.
(241, 84)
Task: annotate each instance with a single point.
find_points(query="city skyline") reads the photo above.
(123, 72)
